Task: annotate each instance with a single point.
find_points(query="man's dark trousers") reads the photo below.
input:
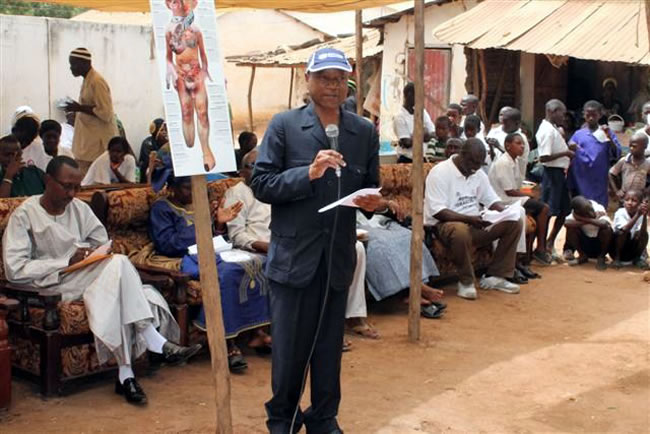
(294, 318)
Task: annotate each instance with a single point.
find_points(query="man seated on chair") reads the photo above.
(455, 190)
(53, 231)
(250, 230)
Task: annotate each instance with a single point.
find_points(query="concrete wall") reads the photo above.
(398, 37)
(35, 69)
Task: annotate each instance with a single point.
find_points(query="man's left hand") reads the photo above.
(222, 215)
(370, 202)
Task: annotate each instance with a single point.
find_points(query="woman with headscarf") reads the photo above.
(244, 289)
(611, 105)
(157, 139)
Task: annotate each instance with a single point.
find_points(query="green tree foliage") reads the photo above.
(17, 7)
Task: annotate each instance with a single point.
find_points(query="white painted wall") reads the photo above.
(35, 69)
(398, 37)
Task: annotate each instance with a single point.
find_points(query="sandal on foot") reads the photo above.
(578, 261)
(347, 346)
(236, 361)
(364, 330)
(641, 264)
(431, 311)
(601, 264)
(542, 257)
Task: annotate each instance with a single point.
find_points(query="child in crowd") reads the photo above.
(633, 169)
(436, 146)
(589, 231)
(50, 133)
(454, 113)
(631, 231)
(472, 127)
(507, 181)
(116, 165)
(453, 147)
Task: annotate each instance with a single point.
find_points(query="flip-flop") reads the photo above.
(440, 305)
(431, 312)
(236, 361)
(364, 330)
(347, 346)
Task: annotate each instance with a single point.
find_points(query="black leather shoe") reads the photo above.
(132, 391)
(175, 354)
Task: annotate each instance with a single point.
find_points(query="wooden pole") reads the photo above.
(212, 303)
(358, 19)
(293, 73)
(647, 20)
(484, 87)
(417, 178)
(250, 100)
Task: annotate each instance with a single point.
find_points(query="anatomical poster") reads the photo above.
(193, 86)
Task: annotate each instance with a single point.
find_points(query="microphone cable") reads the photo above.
(322, 309)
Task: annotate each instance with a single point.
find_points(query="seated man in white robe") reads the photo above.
(250, 231)
(53, 231)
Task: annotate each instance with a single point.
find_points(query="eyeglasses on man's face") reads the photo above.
(68, 186)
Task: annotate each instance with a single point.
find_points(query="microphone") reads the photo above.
(332, 133)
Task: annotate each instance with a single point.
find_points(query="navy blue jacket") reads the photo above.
(300, 236)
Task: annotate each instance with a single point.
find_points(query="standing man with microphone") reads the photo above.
(312, 255)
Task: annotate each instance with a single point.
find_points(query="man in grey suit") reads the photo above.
(295, 172)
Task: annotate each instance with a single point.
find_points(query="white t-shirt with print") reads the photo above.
(403, 126)
(549, 142)
(447, 188)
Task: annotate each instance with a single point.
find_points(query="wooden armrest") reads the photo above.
(159, 271)
(28, 291)
(49, 300)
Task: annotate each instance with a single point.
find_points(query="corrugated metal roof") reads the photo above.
(615, 31)
(286, 58)
(292, 5)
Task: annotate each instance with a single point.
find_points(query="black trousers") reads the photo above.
(294, 318)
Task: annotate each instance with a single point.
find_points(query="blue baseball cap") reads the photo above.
(328, 58)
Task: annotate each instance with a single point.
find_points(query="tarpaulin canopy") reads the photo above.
(293, 5)
(615, 31)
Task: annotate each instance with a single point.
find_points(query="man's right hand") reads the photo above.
(261, 246)
(570, 154)
(81, 254)
(14, 167)
(325, 159)
(477, 222)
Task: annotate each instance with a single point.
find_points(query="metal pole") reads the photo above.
(417, 178)
(358, 18)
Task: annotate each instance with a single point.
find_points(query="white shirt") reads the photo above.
(67, 133)
(403, 126)
(500, 136)
(505, 176)
(34, 155)
(481, 131)
(447, 188)
(100, 171)
(549, 142)
(253, 221)
(591, 230)
(621, 218)
(66, 152)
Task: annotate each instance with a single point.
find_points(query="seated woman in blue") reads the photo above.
(244, 289)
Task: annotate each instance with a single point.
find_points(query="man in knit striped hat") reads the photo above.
(95, 124)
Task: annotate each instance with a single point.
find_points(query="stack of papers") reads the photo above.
(511, 213)
(219, 243)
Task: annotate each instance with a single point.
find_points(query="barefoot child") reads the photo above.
(507, 181)
(589, 231)
(630, 231)
(633, 169)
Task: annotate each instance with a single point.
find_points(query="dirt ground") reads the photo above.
(568, 354)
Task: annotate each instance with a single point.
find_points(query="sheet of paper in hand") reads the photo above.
(220, 245)
(512, 213)
(100, 253)
(349, 199)
(600, 135)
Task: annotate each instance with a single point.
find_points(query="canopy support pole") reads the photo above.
(293, 73)
(212, 304)
(358, 19)
(417, 178)
(250, 100)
